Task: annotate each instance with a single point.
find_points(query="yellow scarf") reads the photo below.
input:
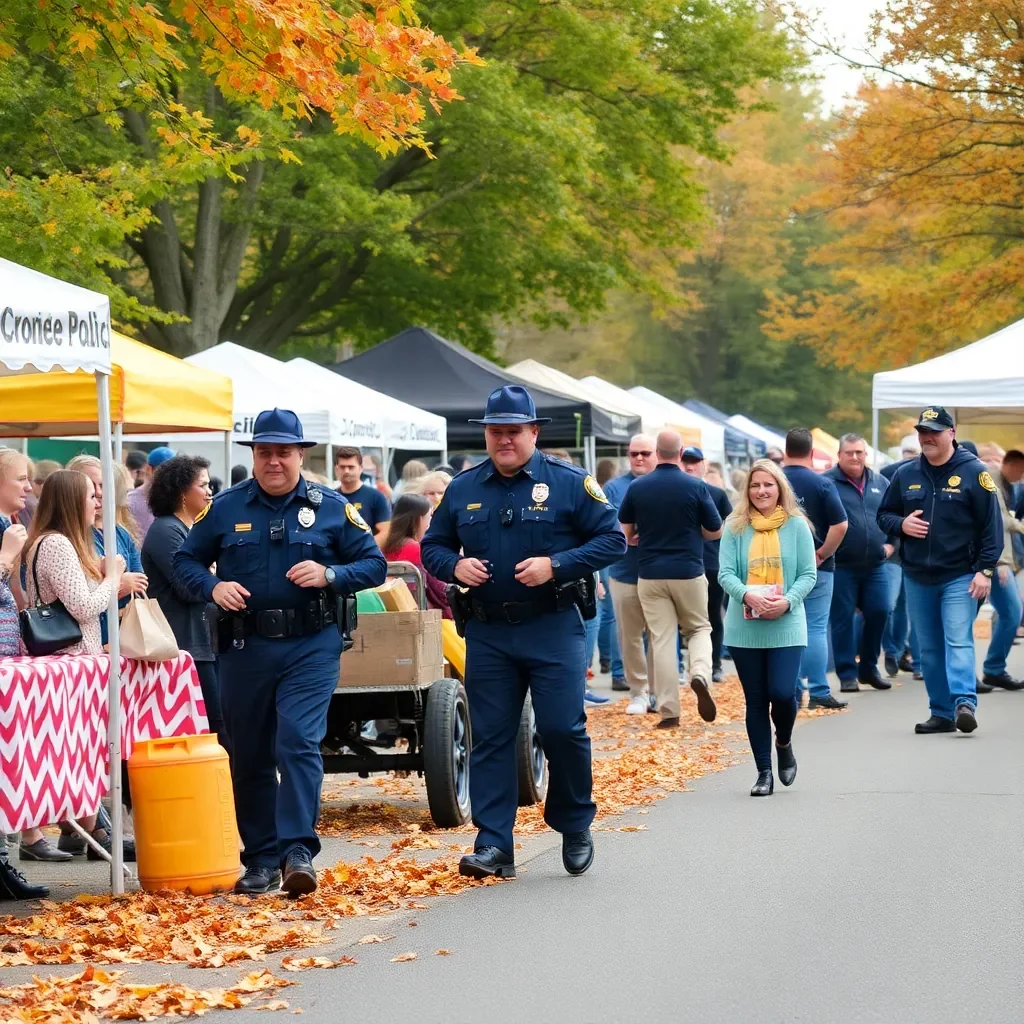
(764, 560)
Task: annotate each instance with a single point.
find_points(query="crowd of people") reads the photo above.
(787, 571)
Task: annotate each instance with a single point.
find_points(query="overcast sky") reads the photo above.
(847, 22)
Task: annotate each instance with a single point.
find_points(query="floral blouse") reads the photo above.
(61, 577)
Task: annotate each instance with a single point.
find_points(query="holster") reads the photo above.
(461, 605)
(582, 593)
(348, 619)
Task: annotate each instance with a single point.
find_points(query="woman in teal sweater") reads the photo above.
(767, 568)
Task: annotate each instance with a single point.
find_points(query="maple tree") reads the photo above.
(921, 186)
(571, 153)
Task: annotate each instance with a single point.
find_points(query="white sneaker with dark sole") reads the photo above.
(637, 705)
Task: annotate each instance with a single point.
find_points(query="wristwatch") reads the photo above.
(330, 575)
(555, 563)
(987, 572)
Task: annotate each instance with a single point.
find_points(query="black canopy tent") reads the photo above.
(419, 367)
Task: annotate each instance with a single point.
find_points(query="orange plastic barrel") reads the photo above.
(184, 811)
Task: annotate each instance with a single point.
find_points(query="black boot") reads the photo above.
(15, 886)
(577, 851)
(765, 784)
(488, 862)
(257, 880)
(299, 876)
(787, 764)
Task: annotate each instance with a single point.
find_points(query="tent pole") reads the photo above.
(118, 441)
(329, 463)
(113, 633)
(227, 459)
(874, 428)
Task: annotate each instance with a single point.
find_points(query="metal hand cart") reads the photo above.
(433, 719)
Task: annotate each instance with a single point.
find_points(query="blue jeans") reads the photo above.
(868, 590)
(607, 635)
(944, 614)
(814, 662)
(900, 633)
(768, 678)
(1006, 601)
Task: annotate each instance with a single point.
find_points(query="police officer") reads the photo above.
(514, 530)
(944, 507)
(284, 550)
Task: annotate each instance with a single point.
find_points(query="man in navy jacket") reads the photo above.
(861, 580)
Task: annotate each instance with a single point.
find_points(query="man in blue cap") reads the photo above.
(285, 551)
(943, 507)
(521, 531)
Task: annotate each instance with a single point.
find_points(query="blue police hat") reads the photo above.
(511, 405)
(691, 453)
(277, 426)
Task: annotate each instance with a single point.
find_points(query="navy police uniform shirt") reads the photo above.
(821, 503)
(549, 507)
(255, 538)
(370, 504)
(960, 504)
(626, 568)
(668, 508)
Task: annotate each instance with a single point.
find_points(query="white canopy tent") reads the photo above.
(45, 325)
(748, 426)
(982, 384)
(395, 424)
(712, 432)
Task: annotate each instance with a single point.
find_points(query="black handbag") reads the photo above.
(47, 628)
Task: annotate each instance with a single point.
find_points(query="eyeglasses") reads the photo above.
(507, 515)
(855, 455)
(636, 455)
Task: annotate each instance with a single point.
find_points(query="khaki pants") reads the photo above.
(630, 622)
(671, 605)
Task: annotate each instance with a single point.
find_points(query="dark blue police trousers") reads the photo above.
(546, 655)
(274, 699)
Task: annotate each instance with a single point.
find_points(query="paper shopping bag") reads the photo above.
(146, 634)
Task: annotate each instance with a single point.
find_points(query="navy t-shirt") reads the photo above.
(371, 505)
(668, 508)
(624, 570)
(821, 503)
(724, 506)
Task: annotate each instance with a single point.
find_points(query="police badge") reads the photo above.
(315, 496)
(306, 516)
(540, 493)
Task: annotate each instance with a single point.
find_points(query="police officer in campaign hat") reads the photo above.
(285, 552)
(944, 508)
(524, 532)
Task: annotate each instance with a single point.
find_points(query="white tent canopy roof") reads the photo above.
(982, 383)
(262, 382)
(47, 324)
(711, 431)
(373, 418)
(748, 426)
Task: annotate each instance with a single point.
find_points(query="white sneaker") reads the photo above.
(637, 705)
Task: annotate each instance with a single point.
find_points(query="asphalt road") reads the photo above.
(886, 886)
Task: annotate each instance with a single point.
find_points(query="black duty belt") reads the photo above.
(514, 612)
(281, 623)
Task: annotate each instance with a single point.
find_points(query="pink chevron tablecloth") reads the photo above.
(53, 728)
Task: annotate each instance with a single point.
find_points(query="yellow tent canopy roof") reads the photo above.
(149, 391)
(825, 442)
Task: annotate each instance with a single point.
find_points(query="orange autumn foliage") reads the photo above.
(923, 185)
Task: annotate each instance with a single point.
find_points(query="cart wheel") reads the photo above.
(531, 764)
(447, 742)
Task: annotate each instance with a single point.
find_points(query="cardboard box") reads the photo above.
(394, 649)
(396, 596)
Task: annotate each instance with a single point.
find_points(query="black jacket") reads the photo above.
(862, 546)
(959, 502)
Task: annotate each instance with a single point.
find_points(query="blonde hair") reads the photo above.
(124, 484)
(80, 463)
(9, 458)
(413, 470)
(419, 485)
(315, 478)
(739, 520)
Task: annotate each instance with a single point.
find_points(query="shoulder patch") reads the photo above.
(355, 518)
(202, 515)
(593, 488)
(986, 481)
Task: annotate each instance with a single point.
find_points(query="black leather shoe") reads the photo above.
(892, 667)
(299, 877)
(1004, 681)
(981, 687)
(705, 702)
(906, 662)
(103, 837)
(875, 679)
(787, 764)
(488, 862)
(765, 784)
(829, 702)
(717, 675)
(15, 886)
(605, 666)
(965, 718)
(849, 686)
(934, 724)
(668, 723)
(919, 676)
(577, 851)
(620, 684)
(257, 880)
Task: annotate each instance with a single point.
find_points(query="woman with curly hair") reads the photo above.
(179, 492)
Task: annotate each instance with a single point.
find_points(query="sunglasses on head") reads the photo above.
(645, 454)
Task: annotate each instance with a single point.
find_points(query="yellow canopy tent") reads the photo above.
(150, 391)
